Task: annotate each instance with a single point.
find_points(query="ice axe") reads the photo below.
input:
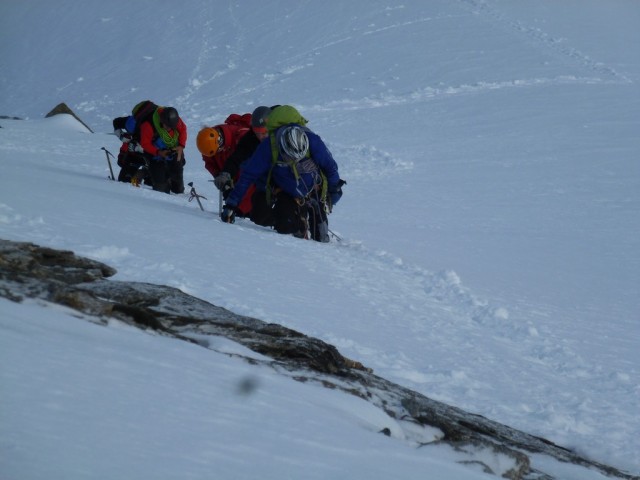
(107, 153)
(194, 194)
(219, 200)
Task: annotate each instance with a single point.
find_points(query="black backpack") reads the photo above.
(129, 127)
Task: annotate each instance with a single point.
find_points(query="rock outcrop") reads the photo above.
(64, 108)
(30, 271)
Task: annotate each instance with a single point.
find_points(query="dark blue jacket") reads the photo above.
(256, 169)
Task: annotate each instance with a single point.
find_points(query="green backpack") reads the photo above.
(283, 115)
(280, 116)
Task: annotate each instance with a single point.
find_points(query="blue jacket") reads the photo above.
(256, 169)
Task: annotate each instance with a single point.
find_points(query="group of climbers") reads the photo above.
(268, 165)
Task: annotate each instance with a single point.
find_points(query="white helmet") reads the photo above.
(293, 143)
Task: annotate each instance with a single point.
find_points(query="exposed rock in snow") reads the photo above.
(61, 277)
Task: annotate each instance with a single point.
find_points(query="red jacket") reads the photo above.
(233, 129)
(148, 136)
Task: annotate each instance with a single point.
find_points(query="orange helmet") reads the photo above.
(209, 141)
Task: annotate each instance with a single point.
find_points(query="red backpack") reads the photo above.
(242, 121)
(233, 129)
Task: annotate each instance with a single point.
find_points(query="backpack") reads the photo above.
(233, 129)
(284, 115)
(140, 113)
(243, 121)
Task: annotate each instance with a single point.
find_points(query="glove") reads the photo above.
(166, 154)
(228, 214)
(123, 135)
(222, 181)
(335, 192)
(179, 153)
(135, 147)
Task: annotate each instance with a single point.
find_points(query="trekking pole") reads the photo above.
(107, 153)
(194, 194)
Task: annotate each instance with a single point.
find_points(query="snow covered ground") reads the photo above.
(489, 252)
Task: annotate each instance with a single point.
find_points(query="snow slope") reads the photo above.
(489, 251)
